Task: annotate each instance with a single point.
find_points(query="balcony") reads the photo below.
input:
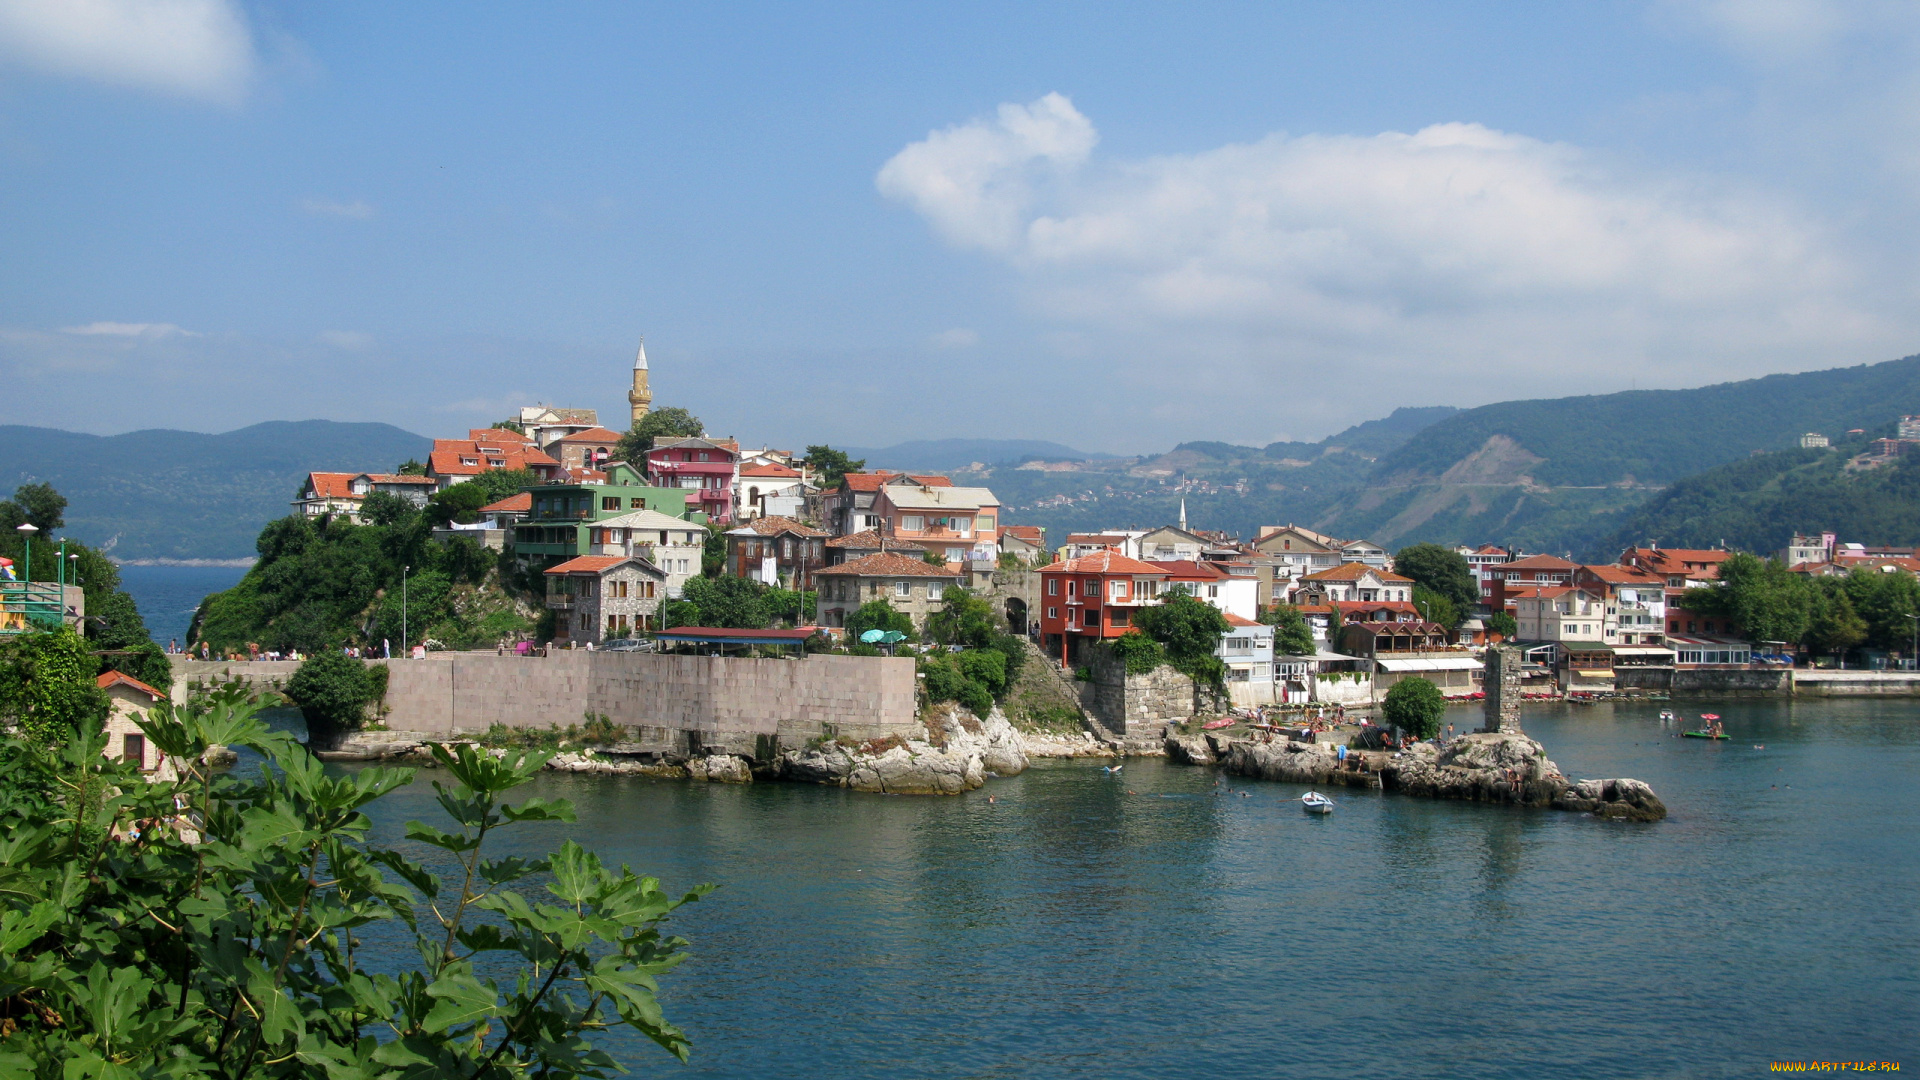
(560, 601)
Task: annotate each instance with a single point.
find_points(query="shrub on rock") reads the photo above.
(1415, 706)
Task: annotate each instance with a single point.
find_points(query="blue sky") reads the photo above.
(1114, 227)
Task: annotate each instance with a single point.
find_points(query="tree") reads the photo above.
(514, 426)
(1415, 706)
(1435, 607)
(38, 505)
(1440, 570)
(1291, 634)
(877, 615)
(1833, 627)
(671, 422)
(117, 628)
(240, 953)
(460, 503)
(963, 619)
(47, 690)
(1769, 602)
(729, 601)
(713, 553)
(410, 467)
(500, 483)
(384, 508)
(1503, 624)
(1190, 630)
(829, 465)
(1883, 600)
(333, 692)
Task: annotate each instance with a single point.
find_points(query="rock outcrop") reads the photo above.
(957, 755)
(720, 769)
(1499, 767)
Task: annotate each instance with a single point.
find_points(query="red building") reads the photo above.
(1093, 598)
(705, 467)
(1505, 579)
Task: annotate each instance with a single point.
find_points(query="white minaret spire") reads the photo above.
(640, 358)
(1183, 514)
(641, 396)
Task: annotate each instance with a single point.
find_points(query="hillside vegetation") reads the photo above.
(187, 495)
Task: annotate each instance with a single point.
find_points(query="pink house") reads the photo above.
(706, 467)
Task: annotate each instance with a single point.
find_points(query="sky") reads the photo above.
(1117, 227)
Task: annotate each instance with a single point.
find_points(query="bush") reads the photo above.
(333, 692)
(942, 679)
(1140, 653)
(976, 698)
(1415, 706)
(987, 667)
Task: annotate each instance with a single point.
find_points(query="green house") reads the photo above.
(557, 524)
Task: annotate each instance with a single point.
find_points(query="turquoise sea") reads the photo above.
(1160, 923)
(169, 595)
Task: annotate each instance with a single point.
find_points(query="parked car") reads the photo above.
(629, 645)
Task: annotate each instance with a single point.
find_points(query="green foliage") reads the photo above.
(713, 553)
(38, 505)
(410, 467)
(1441, 571)
(1503, 624)
(333, 692)
(963, 619)
(384, 508)
(974, 678)
(791, 607)
(829, 465)
(115, 626)
(1190, 630)
(1883, 601)
(729, 601)
(323, 583)
(131, 952)
(1769, 603)
(1292, 636)
(933, 558)
(1833, 627)
(877, 615)
(1415, 706)
(1140, 653)
(47, 691)
(669, 422)
(674, 613)
(985, 667)
(1436, 608)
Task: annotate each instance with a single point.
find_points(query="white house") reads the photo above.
(670, 543)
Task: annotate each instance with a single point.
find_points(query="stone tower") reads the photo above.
(640, 397)
(1502, 688)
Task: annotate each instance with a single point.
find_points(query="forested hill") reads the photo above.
(189, 495)
(1659, 436)
(1757, 503)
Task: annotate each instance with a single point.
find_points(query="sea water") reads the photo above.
(167, 596)
(1159, 922)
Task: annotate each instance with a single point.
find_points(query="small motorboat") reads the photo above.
(1315, 803)
(1667, 716)
(1702, 734)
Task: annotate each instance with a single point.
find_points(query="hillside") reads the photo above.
(1559, 474)
(187, 495)
(1759, 502)
(942, 454)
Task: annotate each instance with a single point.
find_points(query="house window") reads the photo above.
(703, 455)
(936, 589)
(1118, 589)
(912, 522)
(1092, 617)
(1213, 592)
(1053, 587)
(1053, 613)
(1119, 617)
(133, 750)
(610, 503)
(903, 589)
(986, 522)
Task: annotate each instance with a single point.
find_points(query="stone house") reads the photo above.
(591, 448)
(1170, 544)
(777, 550)
(911, 585)
(597, 598)
(1354, 582)
(673, 545)
(129, 697)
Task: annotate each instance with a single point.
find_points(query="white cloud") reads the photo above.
(356, 210)
(350, 340)
(128, 330)
(191, 48)
(957, 338)
(1455, 250)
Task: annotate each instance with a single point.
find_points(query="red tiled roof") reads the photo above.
(1354, 571)
(121, 678)
(520, 503)
(592, 564)
(770, 471)
(1235, 620)
(396, 478)
(866, 539)
(498, 436)
(1032, 534)
(888, 564)
(1188, 570)
(1363, 606)
(775, 524)
(591, 435)
(1105, 562)
(331, 485)
(587, 476)
(446, 455)
(1624, 575)
(873, 481)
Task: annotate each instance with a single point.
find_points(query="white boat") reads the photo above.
(1315, 803)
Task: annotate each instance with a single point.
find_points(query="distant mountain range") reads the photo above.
(944, 454)
(1577, 474)
(186, 495)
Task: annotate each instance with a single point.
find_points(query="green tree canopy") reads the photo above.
(410, 467)
(1761, 595)
(1883, 601)
(829, 465)
(877, 615)
(1415, 706)
(1436, 607)
(670, 422)
(1503, 624)
(333, 692)
(38, 505)
(1833, 627)
(729, 601)
(1292, 636)
(1190, 630)
(963, 619)
(47, 689)
(1439, 570)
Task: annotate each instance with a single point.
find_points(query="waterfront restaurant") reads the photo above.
(1696, 651)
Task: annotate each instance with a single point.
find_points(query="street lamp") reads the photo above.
(61, 575)
(403, 611)
(75, 575)
(26, 538)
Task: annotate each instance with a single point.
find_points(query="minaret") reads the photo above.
(1183, 515)
(640, 397)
